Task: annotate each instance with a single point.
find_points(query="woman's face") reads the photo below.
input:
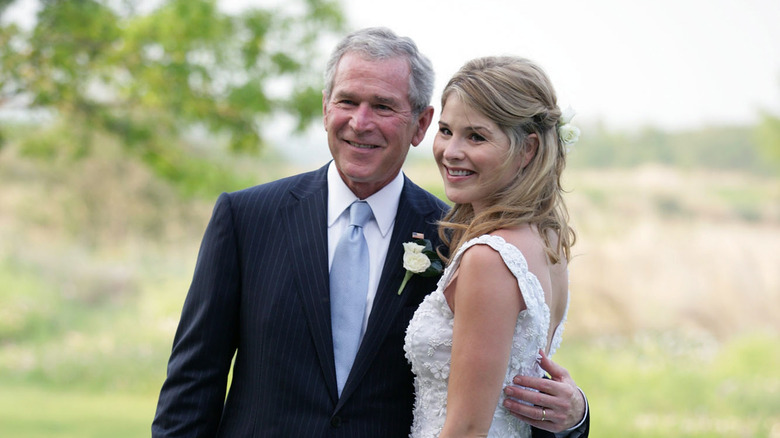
(469, 149)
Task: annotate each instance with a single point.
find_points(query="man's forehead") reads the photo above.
(359, 93)
(358, 60)
(383, 81)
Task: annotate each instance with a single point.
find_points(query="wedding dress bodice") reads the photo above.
(428, 344)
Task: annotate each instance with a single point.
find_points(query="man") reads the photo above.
(261, 287)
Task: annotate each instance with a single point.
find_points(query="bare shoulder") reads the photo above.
(481, 259)
(553, 278)
(483, 274)
(527, 239)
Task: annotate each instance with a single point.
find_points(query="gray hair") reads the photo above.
(378, 43)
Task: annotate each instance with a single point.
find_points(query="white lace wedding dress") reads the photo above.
(428, 345)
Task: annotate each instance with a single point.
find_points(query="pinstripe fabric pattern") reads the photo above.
(260, 290)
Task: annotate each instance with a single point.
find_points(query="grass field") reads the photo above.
(643, 387)
(674, 327)
(43, 412)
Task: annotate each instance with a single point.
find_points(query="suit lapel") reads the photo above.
(307, 229)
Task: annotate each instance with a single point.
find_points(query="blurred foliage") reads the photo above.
(84, 331)
(151, 79)
(752, 149)
(768, 139)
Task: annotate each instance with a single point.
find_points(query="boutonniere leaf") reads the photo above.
(420, 259)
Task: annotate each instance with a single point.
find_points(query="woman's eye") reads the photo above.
(445, 131)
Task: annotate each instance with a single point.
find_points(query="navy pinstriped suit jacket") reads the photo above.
(260, 289)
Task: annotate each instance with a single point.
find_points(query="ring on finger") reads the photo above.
(544, 414)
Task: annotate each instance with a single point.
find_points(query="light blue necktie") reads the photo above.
(348, 289)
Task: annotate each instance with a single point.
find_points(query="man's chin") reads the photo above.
(359, 169)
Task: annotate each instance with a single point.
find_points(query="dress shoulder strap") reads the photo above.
(530, 287)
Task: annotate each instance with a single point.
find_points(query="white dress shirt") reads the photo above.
(384, 205)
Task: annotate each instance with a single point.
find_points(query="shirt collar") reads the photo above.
(384, 203)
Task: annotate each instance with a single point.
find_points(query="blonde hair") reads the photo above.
(517, 95)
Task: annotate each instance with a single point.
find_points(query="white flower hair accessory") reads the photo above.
(568, 133)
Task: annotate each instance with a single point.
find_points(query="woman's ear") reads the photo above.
(531, 147)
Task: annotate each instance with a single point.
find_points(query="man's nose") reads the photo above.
(362, 118)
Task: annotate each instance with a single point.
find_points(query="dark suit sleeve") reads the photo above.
(580, 431)
(192, 397)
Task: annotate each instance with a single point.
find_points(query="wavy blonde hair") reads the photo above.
(518, 96)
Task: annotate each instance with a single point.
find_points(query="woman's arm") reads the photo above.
(486, 301)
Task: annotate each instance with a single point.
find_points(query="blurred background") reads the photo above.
(121, 122)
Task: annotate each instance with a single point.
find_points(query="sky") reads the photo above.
(675, 64)
(672, 64)
(628, 64)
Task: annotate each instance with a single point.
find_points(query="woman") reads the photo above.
(504, 294)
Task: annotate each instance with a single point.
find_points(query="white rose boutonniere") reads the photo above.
(414, 260)
(420, 259)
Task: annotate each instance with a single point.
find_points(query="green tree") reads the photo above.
(102, 67)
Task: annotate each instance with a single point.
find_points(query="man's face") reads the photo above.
(369, 121)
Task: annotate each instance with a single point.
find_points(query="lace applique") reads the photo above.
(428, 345)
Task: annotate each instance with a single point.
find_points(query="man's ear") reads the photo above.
(423, 122)
(531, 147)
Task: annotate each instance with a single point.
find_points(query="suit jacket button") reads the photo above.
(335, 421)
